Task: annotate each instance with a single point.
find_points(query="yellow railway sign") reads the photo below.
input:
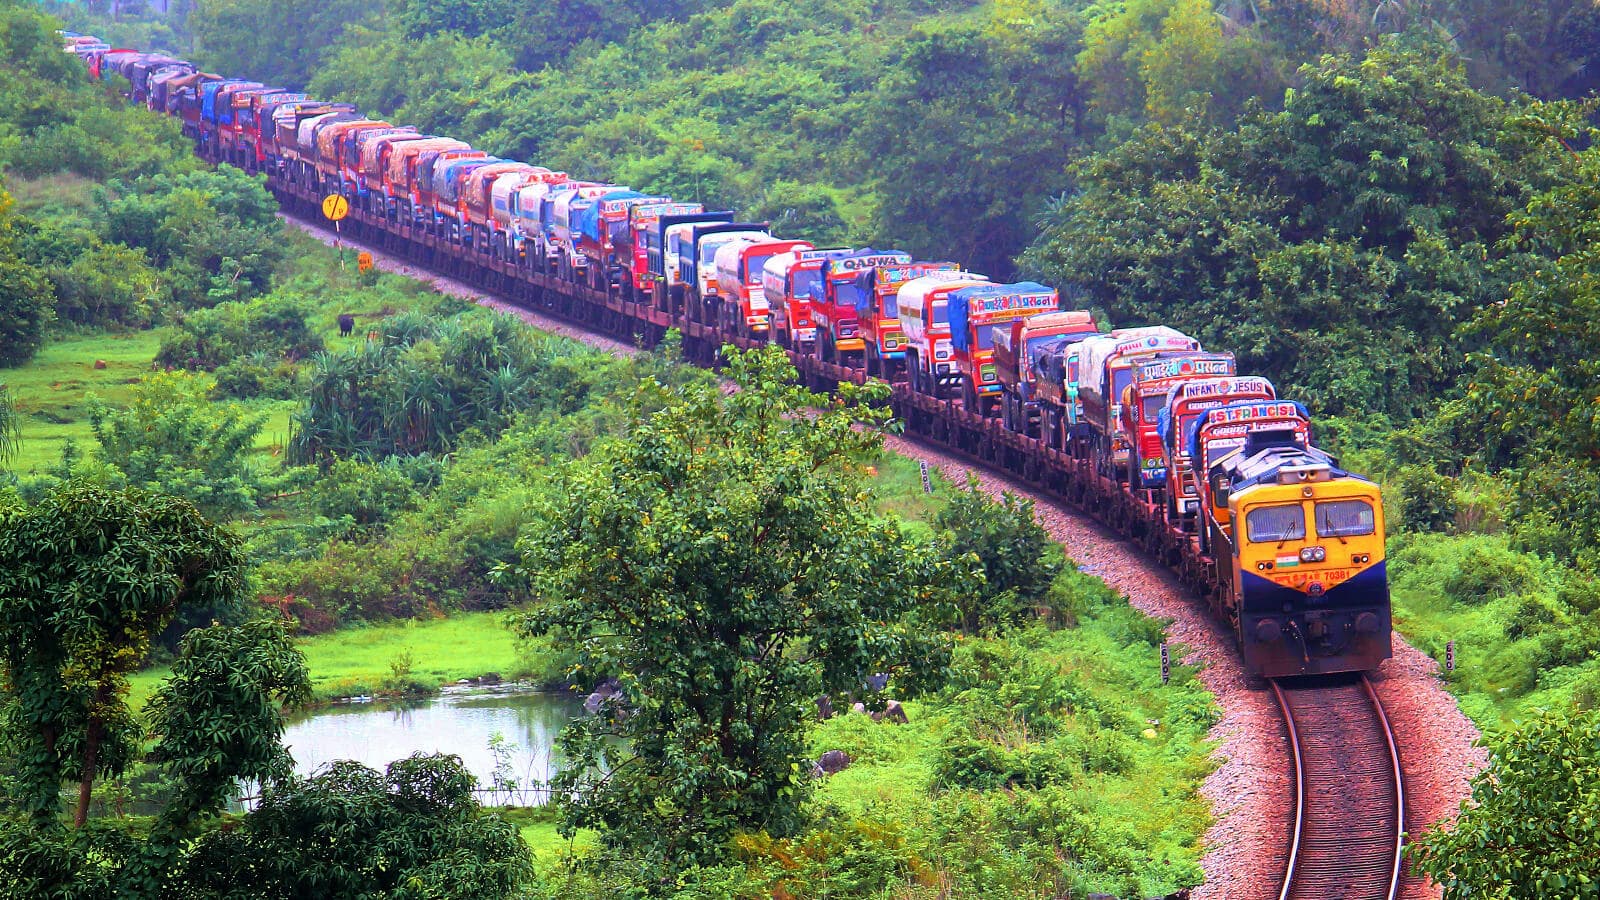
(335, 207)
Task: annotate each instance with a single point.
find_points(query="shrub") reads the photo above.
(1019, 560)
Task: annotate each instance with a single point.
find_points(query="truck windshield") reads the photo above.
(804, 280)
(986, 335)
(846, 292)
(1120, 379)
(1153, 405)
(941, 315)
(708, 251)
(890, 304)
(753, 267)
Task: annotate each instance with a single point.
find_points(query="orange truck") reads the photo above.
(976, 314)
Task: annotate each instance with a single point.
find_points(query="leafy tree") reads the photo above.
(1013, 549)
(214, 233)
(348, 831)
(1528, 830)
(724, 565)
(1336, 245)
(217, 718)
(982, 120)
(25, 299)
(173, 437)
(421, 387)
(87, 578)
(365, 493)
(108, 284)
(228, 35)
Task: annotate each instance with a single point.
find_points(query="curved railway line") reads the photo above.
(1347, 828)
(1349, 818)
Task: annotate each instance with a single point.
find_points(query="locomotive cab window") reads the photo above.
(1274, 524)
(1345, 518)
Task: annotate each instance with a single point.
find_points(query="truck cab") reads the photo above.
(836, 302)
(642, 224)
(787, 281)
(667, 247)
(923, 304)
(1105, 371)
(697, 267)
(740, 263)
(1018, 352)
(977, 314)
(1146, 398)
(1186, 401)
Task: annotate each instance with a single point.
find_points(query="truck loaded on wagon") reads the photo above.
(741, 305)
(878, 313)
(1105, 370)
(925, 318)
(1019, 354)
(1145, 398)
(836, 300)
(976, 314)
(788, 281)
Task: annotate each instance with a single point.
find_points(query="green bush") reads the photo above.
(367, 494)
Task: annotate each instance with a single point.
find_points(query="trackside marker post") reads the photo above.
(1450, 656)
(334, 208)
(927, 482)
(1166, 663)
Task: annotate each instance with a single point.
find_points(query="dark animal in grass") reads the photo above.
(347, 324)
(829, 763)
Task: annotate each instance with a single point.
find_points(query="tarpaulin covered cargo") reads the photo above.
(999, 302)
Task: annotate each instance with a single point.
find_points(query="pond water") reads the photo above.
(461, 720)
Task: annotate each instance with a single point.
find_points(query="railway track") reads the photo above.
(1350, 801)
(1347, 825)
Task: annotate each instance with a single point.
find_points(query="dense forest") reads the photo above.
(1389, 207)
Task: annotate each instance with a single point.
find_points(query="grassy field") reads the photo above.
(360, 659)
(52, 392)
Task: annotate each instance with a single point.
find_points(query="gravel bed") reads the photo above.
(1251, 790)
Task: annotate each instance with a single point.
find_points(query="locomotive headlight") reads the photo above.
(1313, 554)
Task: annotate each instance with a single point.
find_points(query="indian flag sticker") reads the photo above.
(1284, 562)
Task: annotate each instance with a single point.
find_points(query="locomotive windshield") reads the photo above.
(1345, 518)
(1275, 524)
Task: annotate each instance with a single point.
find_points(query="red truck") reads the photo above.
(1017, 352)
(1185, 404)
(878, 313)
(837, 297)
(1143, 400)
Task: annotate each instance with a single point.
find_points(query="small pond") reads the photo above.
(462, 720)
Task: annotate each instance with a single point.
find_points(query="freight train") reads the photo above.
(1143, 427)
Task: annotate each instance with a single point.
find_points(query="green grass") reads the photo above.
(52, 391)
(359, 659)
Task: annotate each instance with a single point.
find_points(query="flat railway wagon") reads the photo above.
(1284, 544)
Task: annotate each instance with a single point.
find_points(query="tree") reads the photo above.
(217, 719)
(1012, 548)
(726, 567)
(25, 298)
(228, 35)
(348, 831)
(88, 577)
(172, 437)
(1529, 829)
